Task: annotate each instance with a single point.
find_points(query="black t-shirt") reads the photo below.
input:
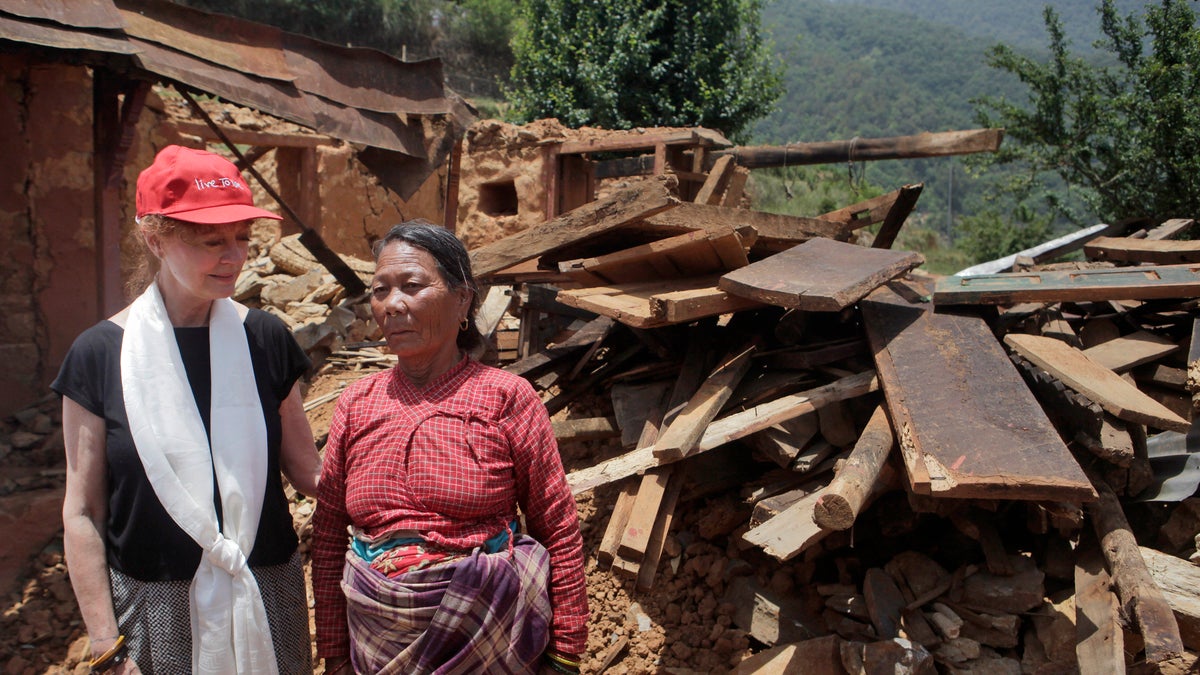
(143, 541)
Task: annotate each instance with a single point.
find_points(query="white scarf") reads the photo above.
(229, 623)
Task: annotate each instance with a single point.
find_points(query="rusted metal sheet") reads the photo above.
(67, 12)
(366, 78)
(19, 30)
(382, 130)
(357, 95)
(271, 96)
(244, 46)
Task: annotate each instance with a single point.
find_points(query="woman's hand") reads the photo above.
(128, 667)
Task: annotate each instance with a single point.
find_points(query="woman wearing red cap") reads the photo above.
(179, 413)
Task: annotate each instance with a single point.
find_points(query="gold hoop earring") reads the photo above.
(464, 324)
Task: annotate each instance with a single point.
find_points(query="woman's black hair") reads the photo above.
(453, 263)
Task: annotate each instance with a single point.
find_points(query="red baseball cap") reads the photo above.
(196, 186)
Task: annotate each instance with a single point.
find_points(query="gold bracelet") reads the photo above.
(113, 652)
(562, 659)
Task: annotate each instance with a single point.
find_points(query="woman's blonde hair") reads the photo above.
(145, 264)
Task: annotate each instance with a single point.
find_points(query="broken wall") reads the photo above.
(502, 184)
(47, 229)
(49, 281)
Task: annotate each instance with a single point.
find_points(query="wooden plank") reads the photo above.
(1178, 579)
(653, 487)
(1100, 643)
(1122, 283)
(897, 215)
(1171, 229)
(652, 418)
(1074, 369)
(657, 303)
(784, 442)
(729, 428)
(620, 208)
(737, 187)
(865, 213)
(686, 305)
(718, 178)
(585, 428)
(789, 532)
(628, 140)
(966, 422)
(820, 275)
(771, 227)
(1154, 251)
(594, 331)
(495, 303)
(606, 552)
(1141, 598)
(691, 254)
(684, 432)
(648, 567)
(1123, 353)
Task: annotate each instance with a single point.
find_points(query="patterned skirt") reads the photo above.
(482, 613)
(156, 620)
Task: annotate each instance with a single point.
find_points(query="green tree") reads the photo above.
(1124, 134)
(621, 64)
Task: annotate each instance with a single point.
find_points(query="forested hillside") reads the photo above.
(872, 68)
(1014, 22)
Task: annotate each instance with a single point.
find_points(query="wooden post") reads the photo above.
(840, 504)
(1140, 596)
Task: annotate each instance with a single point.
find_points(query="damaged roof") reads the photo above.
(352, 93)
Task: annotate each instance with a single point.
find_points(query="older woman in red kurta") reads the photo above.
(419, 564)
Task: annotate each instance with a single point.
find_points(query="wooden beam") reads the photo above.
(1122, 283)
(926, 144)
(691, 254)
(250, 137)
(1098, 383)
(1153, 251)
(729, 428)
(718, 178)
(844, 498)
(620, 208)
(772, 228)
(684, 432)
(1141, 598)
(1171, 229)
(897, 215)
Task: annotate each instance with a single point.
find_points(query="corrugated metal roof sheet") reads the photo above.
(68, 12)
(355, 94)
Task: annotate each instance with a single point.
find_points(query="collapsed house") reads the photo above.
(759, 392)
(93, 90)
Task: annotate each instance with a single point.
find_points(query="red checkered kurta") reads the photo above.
(452, 462)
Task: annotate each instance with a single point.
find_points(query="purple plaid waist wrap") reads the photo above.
(487, 612)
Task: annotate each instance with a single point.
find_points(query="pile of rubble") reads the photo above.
(769, 366)
(796, 452)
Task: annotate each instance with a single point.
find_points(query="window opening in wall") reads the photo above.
(498, 199)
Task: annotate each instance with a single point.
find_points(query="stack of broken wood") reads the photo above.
(730, 341)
